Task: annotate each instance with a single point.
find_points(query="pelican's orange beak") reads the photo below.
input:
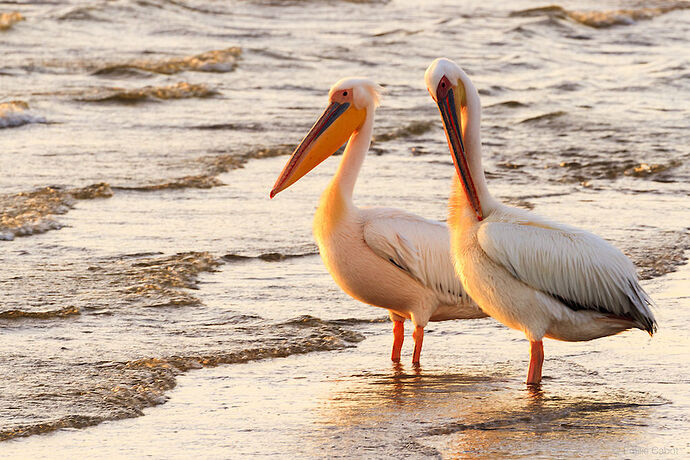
(335, 126)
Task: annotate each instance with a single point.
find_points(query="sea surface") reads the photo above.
(156, 303)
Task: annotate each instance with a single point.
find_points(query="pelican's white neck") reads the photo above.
(471, 114)
(353, 157)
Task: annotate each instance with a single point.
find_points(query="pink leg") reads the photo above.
(398, 337)
(536, 359)
(418, 336)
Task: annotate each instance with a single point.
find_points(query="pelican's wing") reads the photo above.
(576, 267)
(416, 245)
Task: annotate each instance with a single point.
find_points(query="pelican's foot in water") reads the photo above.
(536, 359)
(398, 338)
(418, 336)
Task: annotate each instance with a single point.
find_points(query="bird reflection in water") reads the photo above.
(461, 413)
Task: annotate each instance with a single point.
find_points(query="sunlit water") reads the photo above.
(142, 263)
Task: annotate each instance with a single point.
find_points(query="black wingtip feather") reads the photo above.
(637, 307)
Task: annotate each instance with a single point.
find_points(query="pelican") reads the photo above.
(381, 256)
(532, 274)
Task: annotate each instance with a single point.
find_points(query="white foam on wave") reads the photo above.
(16, 113)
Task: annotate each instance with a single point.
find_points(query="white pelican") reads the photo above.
(381, 256)
(541, 277)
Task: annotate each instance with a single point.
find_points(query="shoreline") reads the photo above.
(330, 397)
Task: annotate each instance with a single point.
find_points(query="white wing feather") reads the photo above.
(418, 246)
(579, 268)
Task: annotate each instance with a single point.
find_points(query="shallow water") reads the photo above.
(137, 241)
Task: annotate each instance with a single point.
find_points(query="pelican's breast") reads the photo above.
(484, 280)
(353, 265)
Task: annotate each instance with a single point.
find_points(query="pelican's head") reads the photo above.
(454, 93)
(350, 101)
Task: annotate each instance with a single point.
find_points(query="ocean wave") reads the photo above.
(28, 213)
(16, 113)
(180, 90)
(398, 31)
(117, 390)
(256, 127)
(581, 172)
(545, 118)
(224, 60)
(7, 20)
(218, 164)
(268, 256)
(49, 314)
(646, 170)
(323, 336)
(102, 12)
(199, 181)
(416, 128)
(509, 104)
(111, 392)
(197, 8)
(137, 255)
(518, 203)
(270, 152)
(140, 281)
(159, 281)
(91, 192)
(81, 13)
(509, 165)
(71, 421)
(659, 253)
(116, 285)
(356, 321)
(602, 19)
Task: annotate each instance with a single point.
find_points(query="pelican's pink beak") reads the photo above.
(446, 100)
(329, 133)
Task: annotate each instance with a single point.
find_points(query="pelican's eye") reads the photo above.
(342, 96)
(443, 88)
